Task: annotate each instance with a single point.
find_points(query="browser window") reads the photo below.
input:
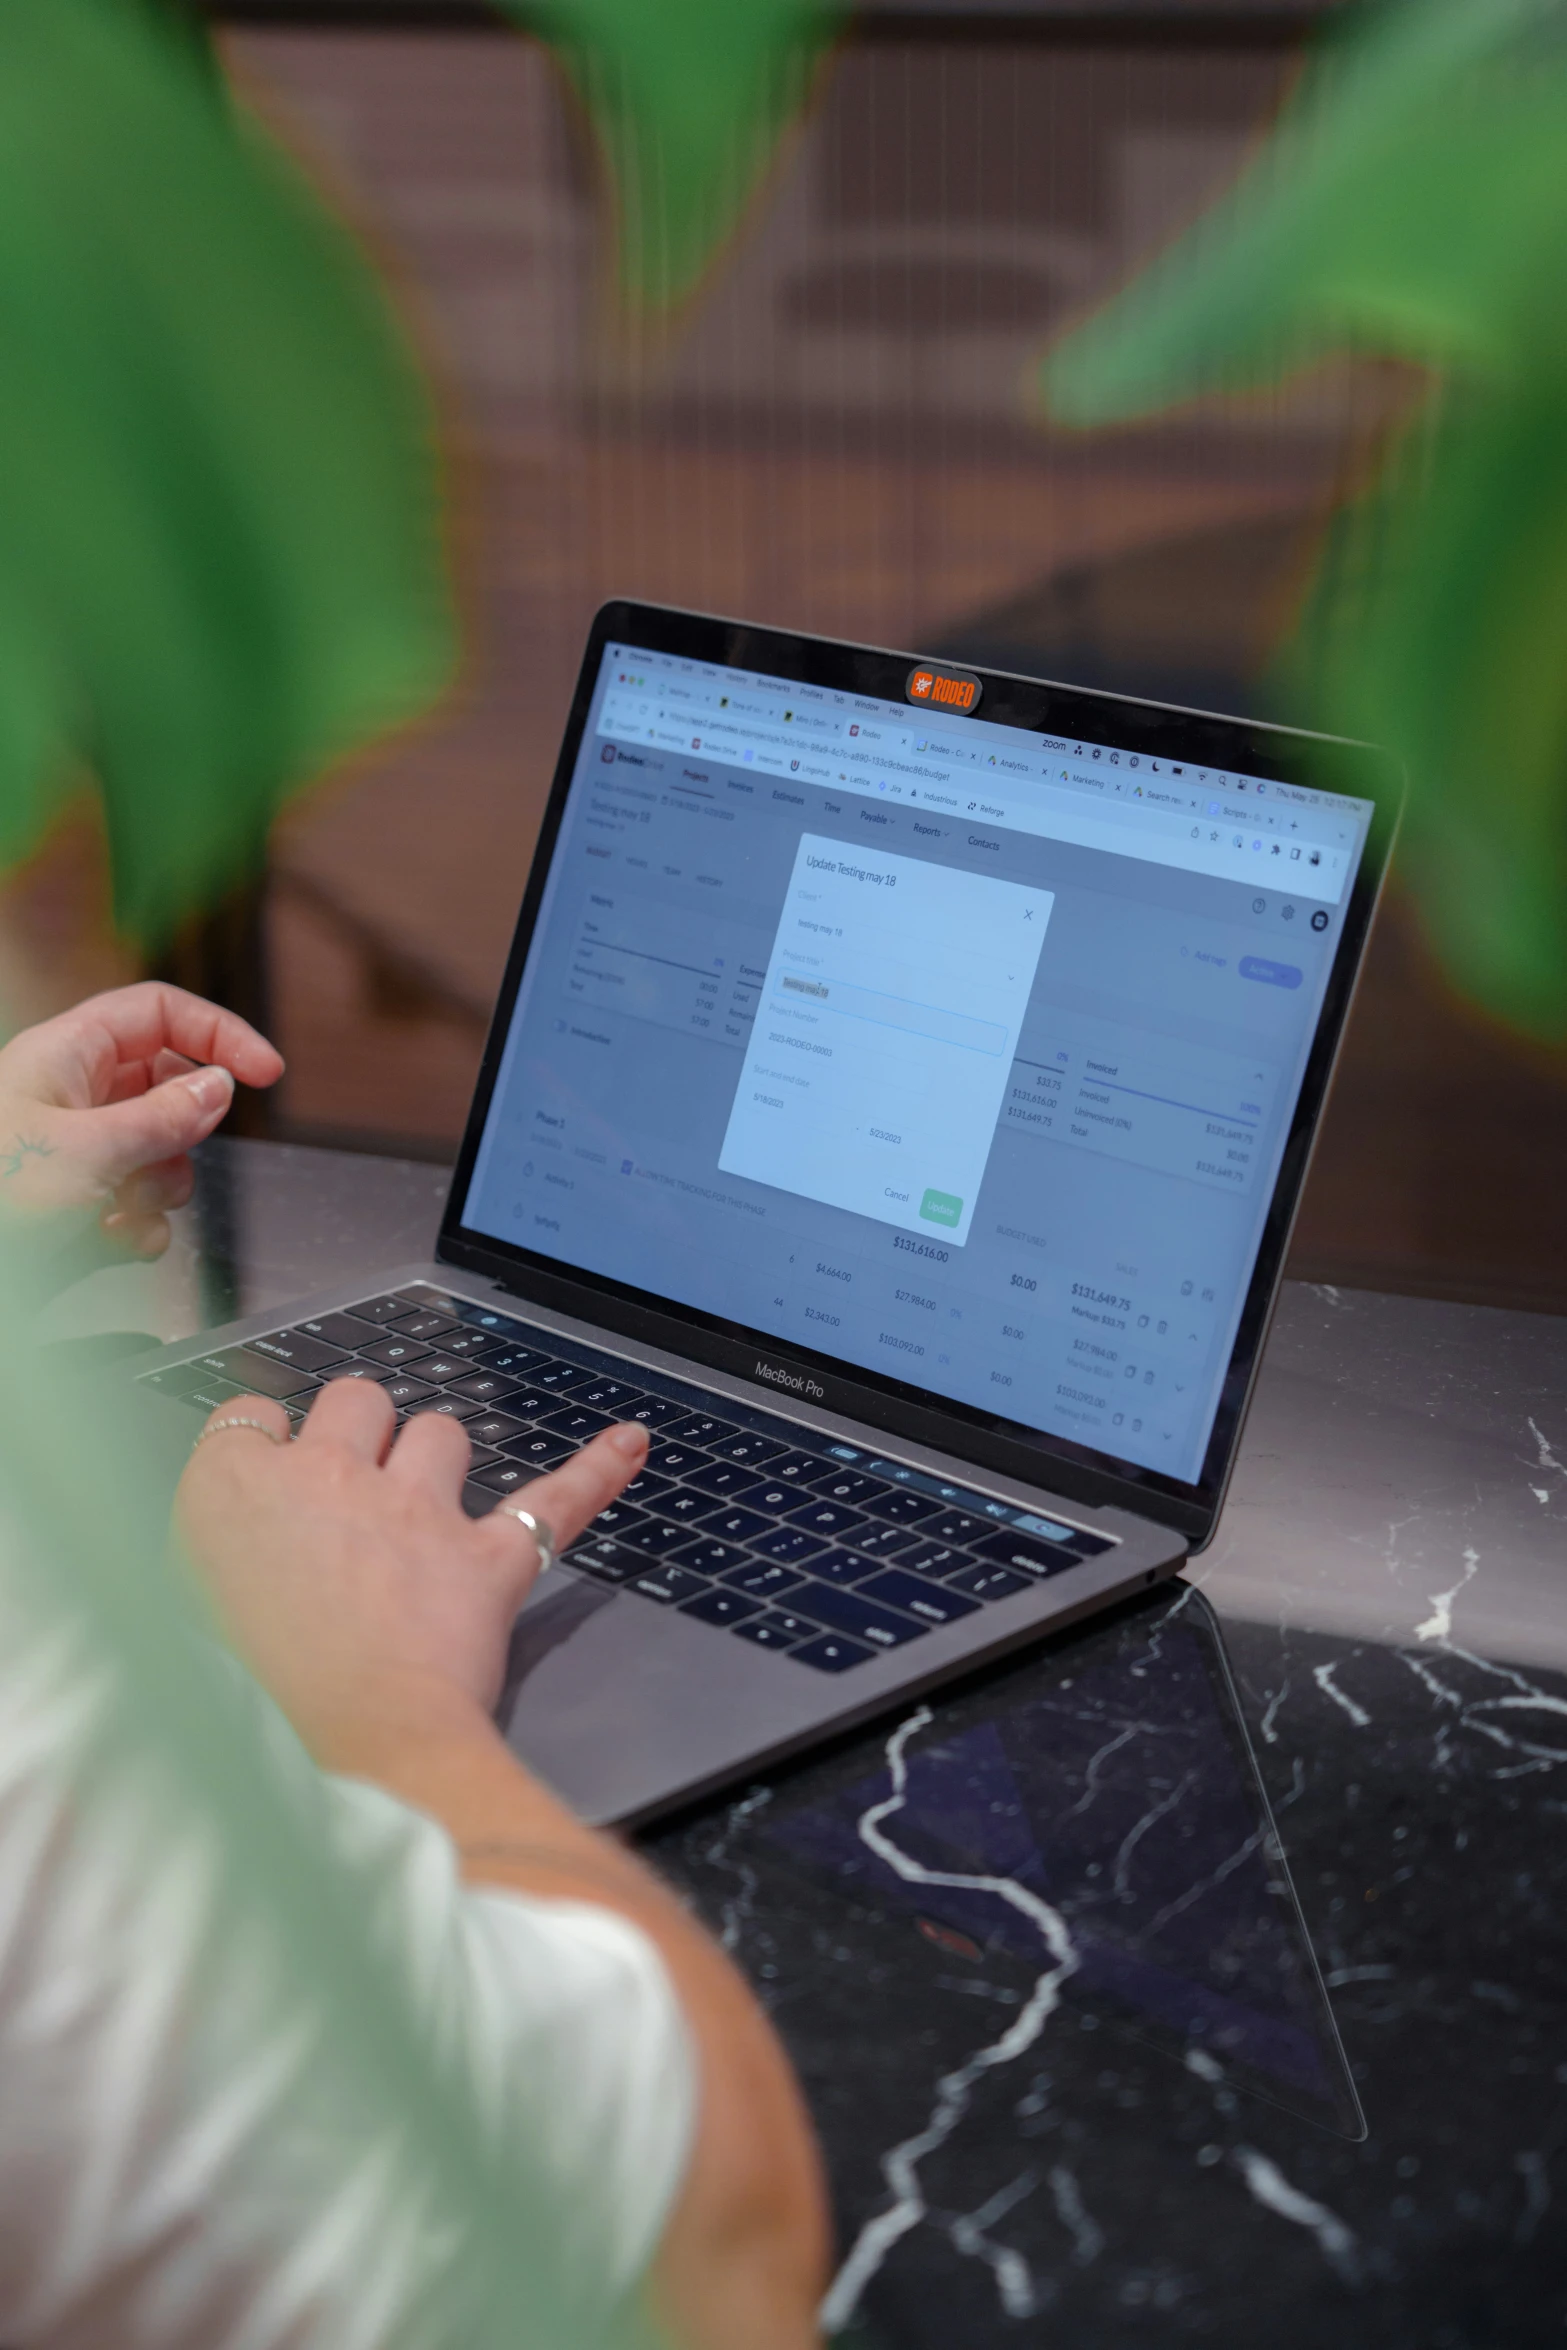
(952, 1051)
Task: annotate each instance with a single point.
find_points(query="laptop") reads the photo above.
(898, 1098)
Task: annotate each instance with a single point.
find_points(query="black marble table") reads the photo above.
(1203, 1974)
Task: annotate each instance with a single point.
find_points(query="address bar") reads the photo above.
(1187, 843)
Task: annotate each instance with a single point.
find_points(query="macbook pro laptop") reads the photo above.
(898, 1098)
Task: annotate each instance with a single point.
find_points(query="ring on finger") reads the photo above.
(541, 1530)
(238, 1420)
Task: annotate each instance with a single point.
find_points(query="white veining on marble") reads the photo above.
(1016, 2288)
(901, 2165)
(737, 1908)
(1181, 1901)
(1096, 1763)
(1271, 2188)
(1546, 1457)
(1439, 1623)
(1269, 1734)
(1088, 2237)
(1323, 1676)
(1120, 1883)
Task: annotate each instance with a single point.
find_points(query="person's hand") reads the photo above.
(100, 1107)
(347, 1574)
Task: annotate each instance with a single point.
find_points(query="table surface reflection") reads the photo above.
(1205, 1966)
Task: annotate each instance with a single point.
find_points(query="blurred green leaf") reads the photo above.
(1413, 205)
(689, 99)
(377, 2076)
(220, 552)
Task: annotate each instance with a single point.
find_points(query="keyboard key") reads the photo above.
(477, 1499)
(406, 1392)
(444, 1407)
(505, 1477)
(749, 1450)
(562, 1378)
(709, 1556)
(526, 1403)
(737, 1525)
(608, 1560)
(669, 1585)
(1007, 1548)
(789, 1544)
(540, 1448)
(763, 1579)
(471, 1344)
(933, 1558)
(901, 1507)
(398, 1354)
(336, 1330)
(574, 1420)
(654, 1411)
(355, 1368)
(256, 1373)
(989, 1582)
(488, 1387)
(772, 1497)
(844, 1566)
(795, 1468)
(830, 1655)
(885, 1541)
(441, 1368)
(688, 1507)
(493, 1427)
(610, 1395)
(725, 1477)
(655, 1536)
(699, 1428)
(838, 1484)
(211, 1393)
(676, 1460)
(721, 1607)
(425, 1326)
(955, 1526)
(515, 1362)
(765, 1632)
(828, 1517)
(618, 1517)
(378, 1309)
(933, 1603)
(645, 1487)
(793, 1627)
(861, 1618)
(176, 1379)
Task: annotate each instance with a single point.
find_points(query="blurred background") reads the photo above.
(833, 436)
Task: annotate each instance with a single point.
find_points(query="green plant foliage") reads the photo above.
(220, 557)
(688, 99)
(1413, 206)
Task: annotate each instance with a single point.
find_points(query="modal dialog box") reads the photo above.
(883, 1040)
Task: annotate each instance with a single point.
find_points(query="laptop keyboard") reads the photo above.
(820, 1551)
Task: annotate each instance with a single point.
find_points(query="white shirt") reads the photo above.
(185, 2159)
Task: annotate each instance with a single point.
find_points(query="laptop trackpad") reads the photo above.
(618, 1705)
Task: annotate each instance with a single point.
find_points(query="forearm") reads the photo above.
(744, 2256)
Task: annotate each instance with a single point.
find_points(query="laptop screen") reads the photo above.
(960, 1053)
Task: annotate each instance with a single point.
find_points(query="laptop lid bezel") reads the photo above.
(1034, 1458)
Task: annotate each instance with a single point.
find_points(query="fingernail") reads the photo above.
(629, 1439)
(211, 1089)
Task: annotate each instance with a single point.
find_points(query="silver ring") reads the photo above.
(238, 1420)
(543, 1533)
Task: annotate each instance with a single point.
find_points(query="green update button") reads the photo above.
(940, 1207)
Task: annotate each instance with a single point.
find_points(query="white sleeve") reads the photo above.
(179, 2163)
